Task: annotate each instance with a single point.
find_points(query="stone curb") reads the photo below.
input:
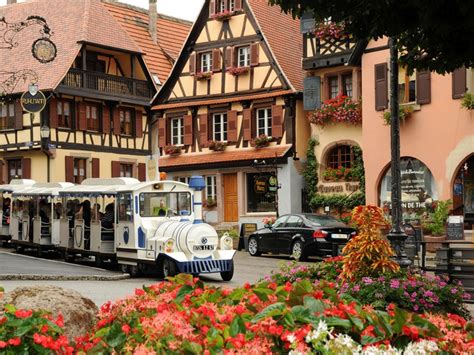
(11, 277)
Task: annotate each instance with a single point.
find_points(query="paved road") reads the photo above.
(247, 269)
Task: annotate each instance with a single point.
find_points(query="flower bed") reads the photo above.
(341, 109)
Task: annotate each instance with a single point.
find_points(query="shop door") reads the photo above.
(230, 198)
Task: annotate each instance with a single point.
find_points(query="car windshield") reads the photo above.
(322, 220)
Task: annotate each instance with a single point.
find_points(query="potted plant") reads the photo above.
(261, 141)
(173, 150)
(467, 101)
(236, 71)
(203, 75)
(341, 109)
(210, 202)
(434, 228)
(217, 146)
(404, 112)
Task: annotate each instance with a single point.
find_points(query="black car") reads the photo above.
(301, 235)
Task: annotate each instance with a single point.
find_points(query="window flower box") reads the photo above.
(210, 203)
(217, 146)
(225, 15)
(236, 71)
(339, 174)
(404, 112)
(203, 75)
(330, 30)
(341, 109)
(173, 150)
(261, 141)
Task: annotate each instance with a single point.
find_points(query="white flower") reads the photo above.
(420, 348)
(291, 338)
(318, 334)
(373, 350)
(342, 344)
(295, 352)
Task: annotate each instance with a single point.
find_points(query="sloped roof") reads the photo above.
(72, 22)
(284, 38)
(171, 34)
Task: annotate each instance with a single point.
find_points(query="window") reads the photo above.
(92, 117)
(126, 122)
(80, 170)
(260, 196)
(7, 116)
(243, 56)
(174, 203)
(264, 121)
(184, 179)
(347, 85)
(333, 87)
(126, 170)
(64, 114)
(211, 188)
(14, 169)
(219, 124)
(226, 5)
(206, 62)
(177, 131)
(340, 156)
(125, 207)
(294, 222)
(406, 86)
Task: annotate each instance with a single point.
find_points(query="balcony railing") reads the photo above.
(107, 84)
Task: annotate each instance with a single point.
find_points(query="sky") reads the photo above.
(186, 9)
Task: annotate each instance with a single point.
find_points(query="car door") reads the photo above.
(286, 235)
(269, 241)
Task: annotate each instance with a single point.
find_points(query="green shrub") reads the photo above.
(436, 225)
(467, 101)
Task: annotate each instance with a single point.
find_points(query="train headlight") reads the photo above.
(169, 244)
(226, 242)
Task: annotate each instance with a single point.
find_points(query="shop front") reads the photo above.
(463, 192)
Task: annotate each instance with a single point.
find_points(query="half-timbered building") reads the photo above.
(111, 58)
(332, 61)
(232, 111)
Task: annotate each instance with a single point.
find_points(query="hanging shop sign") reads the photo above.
(44, 50)
(272, 183)
(33, 101)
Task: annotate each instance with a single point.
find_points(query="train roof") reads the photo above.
(42, 189)
(17, 184)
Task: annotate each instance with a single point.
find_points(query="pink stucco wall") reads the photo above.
(440, 134)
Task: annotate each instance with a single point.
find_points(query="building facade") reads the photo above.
(232, 112)
(98, 89)
(436, 135)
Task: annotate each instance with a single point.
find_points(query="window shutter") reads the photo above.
(18, 115)
(53, 113)
(232, 126)
(138, 123)
(116, 121)
(254, 49)
(161, 132)
(188, 129)
(81, 108)
(2, 176)
(26, 168)
(192, 63)
(216, 60)
(115, 169)
(203, 134)
(95, 167)
(246, 124)
(105, 119)
(277, 121)
(381, 87)
(423, 87)
(142, 171)
(212, 7)
(238, 5)
(459, 83)
(69, 169)
(229, 57)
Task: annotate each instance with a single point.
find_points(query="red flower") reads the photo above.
(391, 310)
(44, 329)
(14, 341)
(126, 329)
(60, 321)
(139, 292)
(411, 332)
(3, 344)
(275, 329)
(21, 313)
(318, 294)
(247, 286)
(288, 287)
(368, 332)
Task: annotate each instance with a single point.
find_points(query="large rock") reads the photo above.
(79, 312)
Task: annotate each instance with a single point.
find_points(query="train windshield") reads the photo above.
(165, 204)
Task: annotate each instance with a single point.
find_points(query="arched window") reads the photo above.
(340, 156)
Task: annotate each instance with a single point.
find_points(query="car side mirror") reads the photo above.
(268, 226)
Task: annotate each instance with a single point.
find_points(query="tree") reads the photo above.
(435, 35)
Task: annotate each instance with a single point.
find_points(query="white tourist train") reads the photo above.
(154, 225)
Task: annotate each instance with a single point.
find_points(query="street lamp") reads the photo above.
(44, 133)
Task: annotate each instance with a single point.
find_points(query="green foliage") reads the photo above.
(403, 113)
(467, 101)
(337, 201)
(358, 171)
(436, 225)
(310, 173)
(432, 35)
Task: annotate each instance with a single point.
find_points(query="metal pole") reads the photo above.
(396, 236)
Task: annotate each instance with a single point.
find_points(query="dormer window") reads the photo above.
(206, 62)
(243, 56)
(228, 5)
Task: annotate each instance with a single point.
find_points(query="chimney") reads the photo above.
(152, 22)
(9, 2)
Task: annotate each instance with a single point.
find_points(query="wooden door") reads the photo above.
(230, 198)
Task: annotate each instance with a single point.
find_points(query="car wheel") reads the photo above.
(253, 247)
(227, 275)
(297, 250)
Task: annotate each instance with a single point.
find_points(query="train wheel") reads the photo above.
(99, 261)
(168, 268)
(134, 271)
(19, 248)
(227, 275)
(69, 258)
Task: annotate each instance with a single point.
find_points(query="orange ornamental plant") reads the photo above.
(368, 255)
